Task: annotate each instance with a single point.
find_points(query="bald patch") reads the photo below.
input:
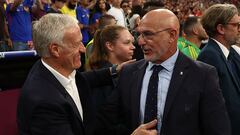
(161, 18)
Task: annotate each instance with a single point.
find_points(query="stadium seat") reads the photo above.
(8, 106)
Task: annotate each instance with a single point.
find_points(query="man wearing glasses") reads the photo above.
(163, 87)
(221, 22)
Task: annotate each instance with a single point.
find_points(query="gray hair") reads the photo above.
(50, 29)
(217, 14)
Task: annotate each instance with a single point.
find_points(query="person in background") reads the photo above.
(103, 21)
(234, 58)
(117, 12)
(194, 35)
(5, 41)
(134, 17)
(83, 15)
(151, 5)
(69, 8)
(111, 45)
(157, 87)
(221, 22)
(126, 10)
(20, 24)
(100, 9)
(40, 8)
(56, 6)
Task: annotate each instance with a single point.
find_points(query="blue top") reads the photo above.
(19, 23)
(95, 17)
(83, 18)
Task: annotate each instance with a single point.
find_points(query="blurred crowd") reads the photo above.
(17, 16)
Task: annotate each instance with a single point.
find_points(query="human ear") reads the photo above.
(109, 46)
(54, 50)
(173, 35)
(220, 29)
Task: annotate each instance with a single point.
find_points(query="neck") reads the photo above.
(54, 7)
(195, 41)
(222, 41)
(113, 60)
(56, 66)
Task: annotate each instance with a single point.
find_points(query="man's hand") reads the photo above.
(119, 67)
(146, 129)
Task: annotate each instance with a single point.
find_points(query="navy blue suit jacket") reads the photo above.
(235, 58)
(194, 104)
(46, 108)
(213, 55)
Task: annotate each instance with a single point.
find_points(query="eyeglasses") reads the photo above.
(147, 35)
(235, 24)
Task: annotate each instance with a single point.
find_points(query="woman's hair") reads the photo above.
(98, 9)
(100, 53)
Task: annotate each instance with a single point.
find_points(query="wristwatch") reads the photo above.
(114, 70)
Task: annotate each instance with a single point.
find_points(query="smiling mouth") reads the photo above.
(145, 51)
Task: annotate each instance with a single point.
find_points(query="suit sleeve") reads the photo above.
(213, 114)
(50, 119)
(100, 77)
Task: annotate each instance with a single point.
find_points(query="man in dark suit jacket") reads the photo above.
(235, 60)
(189, 100)
(221, 22)
(46, 105)
(55, 98)
(46, 108)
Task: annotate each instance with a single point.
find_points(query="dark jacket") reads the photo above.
(213, 55)
(194, 104)
(46, 108)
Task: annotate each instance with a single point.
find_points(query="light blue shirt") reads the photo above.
(165, 76)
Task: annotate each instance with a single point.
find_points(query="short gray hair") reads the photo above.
(217, 14)
(50, 29)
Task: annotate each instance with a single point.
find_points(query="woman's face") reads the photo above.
(123, 47)
(102, 4)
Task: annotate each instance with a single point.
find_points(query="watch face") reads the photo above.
(114, 70)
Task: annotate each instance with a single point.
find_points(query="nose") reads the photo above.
(132, 46)
(82, 48)
(141, 40)
(238, 29)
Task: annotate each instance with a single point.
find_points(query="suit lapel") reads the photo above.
(136, 92)
(179, 73)
(53, 80)
(217, 48)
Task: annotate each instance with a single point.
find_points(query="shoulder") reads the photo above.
(135, 66)
(195, 65)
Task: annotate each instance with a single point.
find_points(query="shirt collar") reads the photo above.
(62, 79)
(167, 64)
(236, 48)
(223, 48)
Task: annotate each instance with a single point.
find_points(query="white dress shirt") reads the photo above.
(236, 48)
(223, 48)
(69, 84)
(165, 76)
